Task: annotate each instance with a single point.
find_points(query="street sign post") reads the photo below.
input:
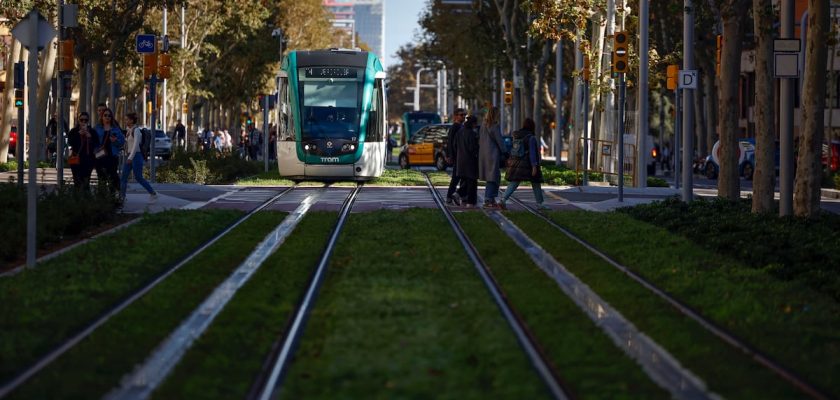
(146, 44)
(33, 32)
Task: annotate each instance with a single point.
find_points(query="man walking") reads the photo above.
(457, 121)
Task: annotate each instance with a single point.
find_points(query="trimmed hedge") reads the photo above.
(62, 212)
(206, 169)
(791, 249)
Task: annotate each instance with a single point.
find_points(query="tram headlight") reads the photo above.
(306, 147)
(348, 147)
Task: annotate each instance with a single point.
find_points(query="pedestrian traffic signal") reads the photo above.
(149, 65)
(164, 66)
(717, 54)
(672, 73)
(185, 108)
(508, 92)
(19, 98)
(65, 55)
(620, 53)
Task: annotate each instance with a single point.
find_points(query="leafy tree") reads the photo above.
(764, 177)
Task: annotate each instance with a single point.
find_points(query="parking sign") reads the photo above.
(146, 44)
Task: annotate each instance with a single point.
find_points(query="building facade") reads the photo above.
(364, 17)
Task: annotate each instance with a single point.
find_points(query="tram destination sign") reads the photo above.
(331, 72)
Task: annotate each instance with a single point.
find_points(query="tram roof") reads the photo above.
(343, 57)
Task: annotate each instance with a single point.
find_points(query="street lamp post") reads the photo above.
(417, 88)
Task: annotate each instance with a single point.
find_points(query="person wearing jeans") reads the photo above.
(491, 146)
(526, 167)
(134, 160)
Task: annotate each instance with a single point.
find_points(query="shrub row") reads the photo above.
(12, 165)
(62, 212)
(790, 248)
(202, 168)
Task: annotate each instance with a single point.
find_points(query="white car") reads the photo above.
(163, 144)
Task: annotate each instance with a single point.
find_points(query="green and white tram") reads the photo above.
(332, 116)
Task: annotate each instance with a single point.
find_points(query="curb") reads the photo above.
(830, 193)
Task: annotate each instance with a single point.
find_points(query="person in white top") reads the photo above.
(228, 141)
(134, 160)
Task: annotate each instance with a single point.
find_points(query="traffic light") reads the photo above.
(149, 65)
(508, 92)
(18, 98)
(164, 66)
(672, 73)
(620, 53)
(185, 108)
(717, 54)
(65, 55)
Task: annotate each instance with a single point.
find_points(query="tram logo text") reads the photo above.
(329, 159)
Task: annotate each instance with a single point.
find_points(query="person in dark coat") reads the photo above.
(491, 147)
(83, 141)
(526, 167)
(457, 121)
(466, 159)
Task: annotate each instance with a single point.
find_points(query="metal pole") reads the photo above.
(34, 135)
(786, 121)
(558, 97)
(622, 87)
(112, 92)
(495, 87)
(59, 146)
(438, 94)
(164, 109)
(502, 106)
(677, 141)
(516, 100)
(585, 161)
(445, 93)
(153, 94)
(642, 122)
(265, 132)
(688, 101)
(21, 132)
(417, 89)
(184, 115)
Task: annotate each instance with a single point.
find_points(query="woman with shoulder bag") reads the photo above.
(491, 147)
(83, 142)
(134, 159)
(524, 164)
(107, 154)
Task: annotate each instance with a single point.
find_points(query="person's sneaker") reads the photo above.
(456, 198)
(153, 198)
(449, 200)
(502, 205)
(542, 206)
(489, 205)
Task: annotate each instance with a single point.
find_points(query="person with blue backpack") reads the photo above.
(524, 164)
(134, 159)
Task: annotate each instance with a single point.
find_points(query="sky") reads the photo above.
(400, 25)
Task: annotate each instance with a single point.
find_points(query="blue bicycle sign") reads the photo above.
(146, 43)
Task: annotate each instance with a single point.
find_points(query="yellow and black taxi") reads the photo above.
(427, 146)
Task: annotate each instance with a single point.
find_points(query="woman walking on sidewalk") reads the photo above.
(524, 164)
(134, 160)
(490, 149)
(82, 143)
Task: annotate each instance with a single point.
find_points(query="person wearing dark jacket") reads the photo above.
(457, 120)
(466, 160)
(526, 167)
(83, 141)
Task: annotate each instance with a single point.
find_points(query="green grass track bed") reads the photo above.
(403, 314)
(390, 177)
(585, 358)
(224, 362)
(95, 365)
(43, 306)
(740, 300)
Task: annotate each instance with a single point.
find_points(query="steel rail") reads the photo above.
(686, 310)
(62, 348)
(270, 380)
(526, 339)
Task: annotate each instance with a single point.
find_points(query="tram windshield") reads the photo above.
(332, 102)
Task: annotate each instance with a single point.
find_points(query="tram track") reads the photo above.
(527, 340)
(57, 351)
(269, 380)
(684, 309)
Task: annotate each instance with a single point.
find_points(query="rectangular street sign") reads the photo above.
(786, 46)
(786, 65)
(146, 44)
(688, 79)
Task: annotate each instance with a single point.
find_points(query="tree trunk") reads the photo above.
(699, 114)
(806, 196)
(95, 88)
(608, 116)
(8, 101)
(45, 75)
(711, 101)
(730, 68)
(596, 49)
(764, 178)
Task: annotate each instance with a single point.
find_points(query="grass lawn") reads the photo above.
(406, 316)
(95, 366)
(43, 306)
(750, 303)
(585, 358)
(224, 362)
(390, 177)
